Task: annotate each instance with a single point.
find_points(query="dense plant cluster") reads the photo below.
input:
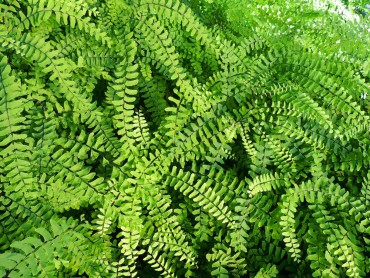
(147, 138)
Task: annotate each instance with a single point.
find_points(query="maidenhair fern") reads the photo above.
(156, 138)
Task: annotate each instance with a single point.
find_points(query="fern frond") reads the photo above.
(288, 226)
(200, 191)
(15, 150)
(267, 182)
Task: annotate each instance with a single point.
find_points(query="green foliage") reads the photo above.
(147, 138)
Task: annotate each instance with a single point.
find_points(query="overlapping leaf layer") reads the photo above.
(168, 138)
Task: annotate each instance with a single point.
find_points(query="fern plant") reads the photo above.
(155, 138)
